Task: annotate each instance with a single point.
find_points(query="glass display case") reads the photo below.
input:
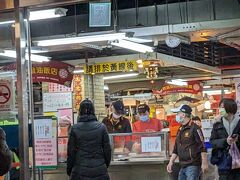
(152, 146)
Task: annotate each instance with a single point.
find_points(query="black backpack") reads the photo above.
(5, 154)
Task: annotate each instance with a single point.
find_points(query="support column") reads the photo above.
(22, 94)
(94, 90)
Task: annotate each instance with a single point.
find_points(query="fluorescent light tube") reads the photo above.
(132, 46)
(34, 57)
(47, 14)
(82, 39)
(177, 82)
(120, 76)
(7, 22)
(138, 40)
(78, 71)
(43, 14)
(216, 92)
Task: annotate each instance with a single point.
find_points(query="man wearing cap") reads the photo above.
(145, 123)
(116, 123)
(189, 146)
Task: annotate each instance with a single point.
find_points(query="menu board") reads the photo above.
(45, 142)
(54, 87)
(54, 101)
(151, 144)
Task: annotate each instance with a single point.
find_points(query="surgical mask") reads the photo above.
(222, 111)
(144, 118)
(116, 116)
(179, 119)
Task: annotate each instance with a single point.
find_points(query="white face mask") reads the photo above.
(116, 116)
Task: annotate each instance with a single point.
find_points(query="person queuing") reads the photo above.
(189, 146)
(116, 123)
(225, 133)
(145, 123)
(89, 151)
(197, 121)
(5, 154)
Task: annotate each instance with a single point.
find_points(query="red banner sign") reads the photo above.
(52, 71)
(192, 88)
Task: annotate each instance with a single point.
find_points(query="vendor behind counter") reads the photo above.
(145, 123)
(116, 123)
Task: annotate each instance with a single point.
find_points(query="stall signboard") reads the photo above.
(45, 142)
(7, 97)
(192, 88)
(54, 101)
(108, 67)
(151, 144)
(52, 71)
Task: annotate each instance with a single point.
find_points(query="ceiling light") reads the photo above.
(177, 82)
(216, 92)
(139, 61)
(7, 22)
(139, 40)
(206, 87)
(120, 76)
(82, 39)
(78, 71)
(43, 14)
(132, 46)
(47, 14)
(208, 111)
(36, 58)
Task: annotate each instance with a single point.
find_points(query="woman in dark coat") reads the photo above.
(89, 151)
(225, 132)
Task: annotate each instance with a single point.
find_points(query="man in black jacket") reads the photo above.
(89, 151)
(189, 146)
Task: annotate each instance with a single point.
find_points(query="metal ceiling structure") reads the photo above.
(206, 30)
(211, 24)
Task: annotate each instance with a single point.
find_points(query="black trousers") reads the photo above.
(230, 175)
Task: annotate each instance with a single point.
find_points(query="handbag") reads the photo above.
(222, 158)
(234, 151)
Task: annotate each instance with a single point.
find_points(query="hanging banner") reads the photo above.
(45, 141)
(77, 90)
(52, 71)
(98, 68)
(192, 88)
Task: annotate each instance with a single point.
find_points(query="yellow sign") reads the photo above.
(124, 66)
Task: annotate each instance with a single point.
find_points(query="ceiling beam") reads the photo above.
(181, 28)
(175, 61)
